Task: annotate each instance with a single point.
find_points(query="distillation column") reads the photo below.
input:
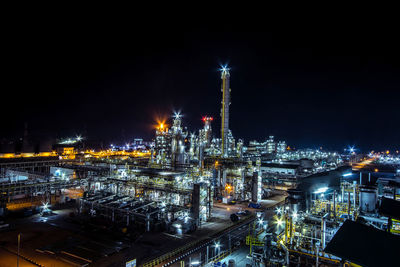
(226, 95)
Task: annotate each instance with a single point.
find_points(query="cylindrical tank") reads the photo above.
(231, 263)
(295, 194)
(367, 199)
(294, 199)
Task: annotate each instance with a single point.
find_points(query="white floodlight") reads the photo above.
(177, 115)
(278, 210)
(224, 68)
(45, 206)
(321, 190)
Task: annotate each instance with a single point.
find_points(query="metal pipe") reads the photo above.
(287, 254)
(342, 193)
(334, 204)
(207, 255)
(323, 230)
(348, 205)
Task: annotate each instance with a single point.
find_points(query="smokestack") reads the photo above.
(226, 95)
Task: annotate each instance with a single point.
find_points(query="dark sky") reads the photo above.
(330, 88)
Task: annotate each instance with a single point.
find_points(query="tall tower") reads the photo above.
(177, 142)
(205, 133)
(226, 95)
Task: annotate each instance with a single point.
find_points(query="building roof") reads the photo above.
(278, 165)
(364, 245)
(330, 179)
(390, 208)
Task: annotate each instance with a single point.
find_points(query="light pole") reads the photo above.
(217, 245)
(19, 239)
(261, 223)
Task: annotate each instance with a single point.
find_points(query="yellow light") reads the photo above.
(376, 170)
(278, 221)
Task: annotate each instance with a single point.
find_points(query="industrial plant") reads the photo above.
(200, 197)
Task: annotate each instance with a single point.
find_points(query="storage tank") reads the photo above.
(294, 199)
(367, 199)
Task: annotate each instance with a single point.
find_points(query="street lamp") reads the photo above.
(279, 221)
(217, 246)
(278, 210)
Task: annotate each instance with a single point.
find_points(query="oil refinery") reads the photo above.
(199, 198)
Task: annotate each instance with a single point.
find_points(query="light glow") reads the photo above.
(321, 190)
(224, 68)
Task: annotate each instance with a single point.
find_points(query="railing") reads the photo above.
(220, 256)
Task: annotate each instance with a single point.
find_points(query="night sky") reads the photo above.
(311, 88)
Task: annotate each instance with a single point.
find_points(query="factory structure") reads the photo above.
(173, 183)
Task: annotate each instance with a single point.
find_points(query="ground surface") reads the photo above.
(57, 241)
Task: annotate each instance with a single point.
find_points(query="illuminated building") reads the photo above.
(271, 145)
(281, 147)
(178, 137)
(205, 134)
(162, 145)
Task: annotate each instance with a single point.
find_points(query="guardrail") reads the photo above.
(221, 256)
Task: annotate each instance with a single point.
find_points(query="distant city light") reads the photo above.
(69, 141)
